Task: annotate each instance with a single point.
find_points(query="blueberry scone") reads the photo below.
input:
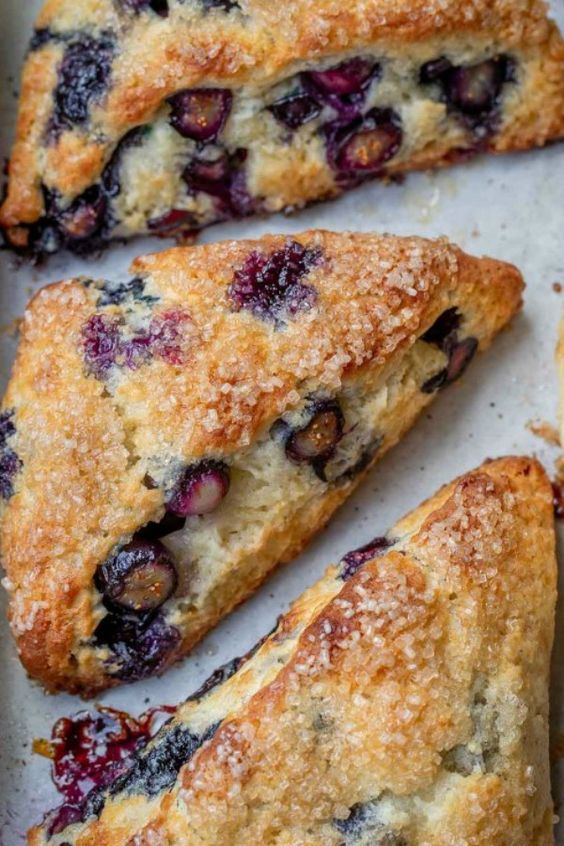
(167, 440)
(402, 701)
(163, 116)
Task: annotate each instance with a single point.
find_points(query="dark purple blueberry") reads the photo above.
(166, 335)
(101, 344)
(172, 222)
(10, 464)
(342, 87)
(351, 562)
(200, 113)
(317, 439)
(460, 354)
(85, 216)
(141, 647)
(200, 490)
(295, 110)
(83, 78)
(270, 287)
(7, 426)
(170, 523)
(117, 293)
(157, 766)
(224, 5)
(346, 78)
(445, 324)
(224, 179)
(140, 577)
(434, 70)
(160, 7)
(473, 90)
(354, 825)
(364, 146)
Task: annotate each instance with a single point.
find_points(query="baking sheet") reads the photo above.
(511, 208)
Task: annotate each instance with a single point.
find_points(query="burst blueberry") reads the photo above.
(85, 216)
(443, 327)
(101, 344)
(141, 647)
(270, 286)
(473, 90)
(139, 577)
(83, 78)
(345, 78)
(200, 113)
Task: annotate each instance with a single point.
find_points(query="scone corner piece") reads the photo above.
(403, 699)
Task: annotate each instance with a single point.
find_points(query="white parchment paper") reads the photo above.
(511, 208)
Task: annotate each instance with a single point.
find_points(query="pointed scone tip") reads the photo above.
(170, 439)
(401, 701)
(161, 117)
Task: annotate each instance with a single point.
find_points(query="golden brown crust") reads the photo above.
(87, 443)
(414, 696)
(252, 49)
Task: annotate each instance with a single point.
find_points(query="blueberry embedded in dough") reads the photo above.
(460, 354)
(141, 647)
(357, 557)
(295, 109)
(473, 91)
(200, 113)
(160, 7)
(85, 216)
(222, 176)
(343, 87)
(365, 145)
(271, 287)
(201, 488)
(364, 826)
(10, 463)
(140, 577)
(315, 442)
(83, 77)
(446, 323)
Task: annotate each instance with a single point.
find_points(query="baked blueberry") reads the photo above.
(142, 647)
(85, 216)
(83, 78)
(447, 323)
(460, 354)
(315, 442)
(172, 222)
(365, 145)
(357, 557)
(117, 293)
(166, 526)
(270, 287)
(140, 577)
(473, 90)
(200, 113)
(101, 344)
(295, 110)
(345, 78)
(200, 490)
(160, 7)
(343, 87)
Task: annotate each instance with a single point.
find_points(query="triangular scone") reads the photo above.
(162, 116)
(168, 440)
(402, 701)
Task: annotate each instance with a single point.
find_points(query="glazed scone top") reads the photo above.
(90, 429)
(207, 44)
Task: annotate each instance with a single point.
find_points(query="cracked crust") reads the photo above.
(412, 698)
(87, 444)
(248, 50)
